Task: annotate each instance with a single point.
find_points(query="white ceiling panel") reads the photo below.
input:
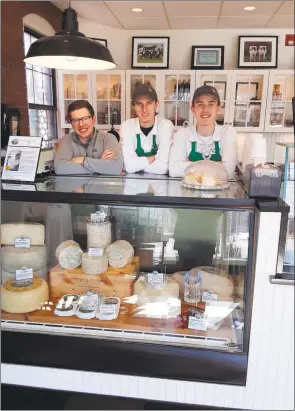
(236, 8)
(145, 23)
(192, 8)
(193, 23)
(241, 22)
(281, 22)
(123, 9)
(287, 8)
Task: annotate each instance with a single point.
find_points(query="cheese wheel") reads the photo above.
(144, 293)
(24, 299)
(69, 254)
(34, 231)
(99, 235)
(16, 258)
(42, 273)
(93, 264)
(120, 253)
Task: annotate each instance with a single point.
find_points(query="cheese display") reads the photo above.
(69, 254)
(5, 275)
(120, 253)
(35, 232)
(212, 279)
(14, 258)
(146, 293)
(206, 175)
(23, 296)
(99, 235)
(93, 264)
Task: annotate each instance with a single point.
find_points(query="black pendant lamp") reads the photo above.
(69, 49)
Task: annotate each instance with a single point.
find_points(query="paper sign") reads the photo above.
(95, 252)
(155, 278)
(22, 242)
(24, 274)
(209, 296)
(197, 323)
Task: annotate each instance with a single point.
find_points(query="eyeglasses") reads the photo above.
(83, 119)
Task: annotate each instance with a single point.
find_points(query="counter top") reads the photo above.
(135, 189)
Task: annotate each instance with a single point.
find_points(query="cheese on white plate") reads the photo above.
(34, 231)
(16, 258)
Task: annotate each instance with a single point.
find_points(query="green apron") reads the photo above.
(195, 156)
(139, 150)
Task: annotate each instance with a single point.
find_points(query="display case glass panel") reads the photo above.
(282, 92)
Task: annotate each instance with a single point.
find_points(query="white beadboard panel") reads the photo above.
(270, 381)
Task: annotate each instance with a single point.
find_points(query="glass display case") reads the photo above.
(132, 262)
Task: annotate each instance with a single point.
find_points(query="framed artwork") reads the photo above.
(246, 91)
(150, 52)
(207, 57)
(258, 52)
(104, 42)
(220, 87)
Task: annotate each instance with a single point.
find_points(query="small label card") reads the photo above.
(95, 252)
(22, 242)
(155, 278)
(209, 296)
(197, 323)
(24, 274)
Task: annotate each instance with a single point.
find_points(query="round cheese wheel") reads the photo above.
(16, 258)
(42, 273)
(34, 231)
(69, 254)
(99, 235)
(93, 264)
(25, 298)
(120, 253)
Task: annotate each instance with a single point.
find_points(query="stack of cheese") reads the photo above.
(23, 246)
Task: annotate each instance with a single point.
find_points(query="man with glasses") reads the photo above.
(146, 139)
(87, 150)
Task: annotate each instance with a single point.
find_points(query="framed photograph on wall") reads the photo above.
(207, 57)
(258, 52)
(246, 91)
(104, 42)
(150, 52)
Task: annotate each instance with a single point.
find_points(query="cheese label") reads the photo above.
(209, 296)
(155, 278)
(24, 274)
(98, 217)
(22, 242)
(95, 252)
(89, 302)
(197, 323)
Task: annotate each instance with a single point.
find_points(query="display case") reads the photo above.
(149, 269)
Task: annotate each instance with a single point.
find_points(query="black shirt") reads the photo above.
(146, 130)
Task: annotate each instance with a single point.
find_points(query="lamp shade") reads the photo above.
(69, 49)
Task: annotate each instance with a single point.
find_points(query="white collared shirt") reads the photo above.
(182, 146)
(162, 129)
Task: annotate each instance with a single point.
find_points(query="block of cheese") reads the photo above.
(94, 264)
(16, 258)
(115, 282)
(212, 279)
(34, 231)
(120, 253)
(42, 273)
(69, 254)
(99, 235)
(146, 294)
(21, 298)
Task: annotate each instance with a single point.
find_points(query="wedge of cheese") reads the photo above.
(20, 298)
(15, 258)
(34, 231)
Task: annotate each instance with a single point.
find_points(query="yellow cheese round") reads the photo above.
(34, 231)
(16, 258)
(24, 299)
(6, 275)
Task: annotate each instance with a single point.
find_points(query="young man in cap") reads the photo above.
(205, 140)
(87, 150)
(146, 139)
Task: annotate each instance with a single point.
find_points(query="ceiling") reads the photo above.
(194, 14)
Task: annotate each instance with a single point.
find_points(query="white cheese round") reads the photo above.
(69, 254)
(42, 273)
(120, 253)
(99, 235)
(23, 299)
(34, 231)
(16, 258)
(93, 264)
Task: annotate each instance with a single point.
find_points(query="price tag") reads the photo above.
(197, 323)
(95, 252)
(155, 278)
(209, 296)
(97, 217)
(24, 274)
(22, 242)
(107, 309)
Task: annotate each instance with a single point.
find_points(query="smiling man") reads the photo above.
(205, 140)
(146, 139)
(87, 150)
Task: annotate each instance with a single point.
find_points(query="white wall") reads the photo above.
(37, 23)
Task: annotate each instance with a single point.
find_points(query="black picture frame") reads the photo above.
(249, 55)
(146, 49)
(209, 49)
(104, 42)
(240, 83)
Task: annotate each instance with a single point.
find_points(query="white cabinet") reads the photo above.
(243, 96)
(105, 91)
(279, 116)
